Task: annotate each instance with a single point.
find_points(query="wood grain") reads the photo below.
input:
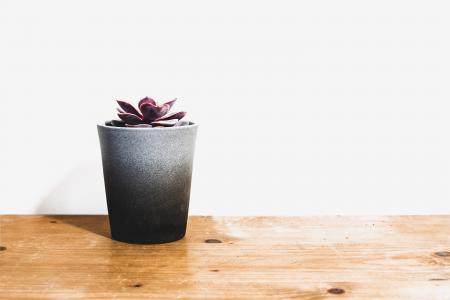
(61, 257)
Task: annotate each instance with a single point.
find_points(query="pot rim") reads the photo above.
(191, 125)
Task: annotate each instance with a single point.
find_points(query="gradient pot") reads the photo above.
(147, 173)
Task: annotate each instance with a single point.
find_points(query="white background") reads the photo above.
(305, 107)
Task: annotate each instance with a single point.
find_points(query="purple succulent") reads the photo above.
(148, 114)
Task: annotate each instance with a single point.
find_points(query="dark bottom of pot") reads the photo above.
(156, 239)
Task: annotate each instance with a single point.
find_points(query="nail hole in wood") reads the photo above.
(336, 291)
(136, 285)
(2, 248)
(214, 270)
(443, 253)
(213, 241)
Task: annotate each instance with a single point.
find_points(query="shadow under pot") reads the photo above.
(147, 173)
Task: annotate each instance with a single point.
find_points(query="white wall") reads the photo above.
(305, 107)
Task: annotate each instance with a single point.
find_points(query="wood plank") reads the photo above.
(60, 257)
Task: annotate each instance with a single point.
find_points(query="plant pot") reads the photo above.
(147, 173)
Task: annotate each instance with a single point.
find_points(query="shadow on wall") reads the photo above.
(81, 191)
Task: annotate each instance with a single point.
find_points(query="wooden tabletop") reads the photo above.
(60, 257)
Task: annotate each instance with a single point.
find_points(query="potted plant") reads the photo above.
(147, 160)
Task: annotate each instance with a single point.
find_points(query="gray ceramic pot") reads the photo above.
(147, 173)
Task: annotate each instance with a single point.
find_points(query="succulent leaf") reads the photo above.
(164, 123)
(128, 108)
(170, 103)
(163, 110)
(178, 115)
(149, 111)
(117, 123)
(147, 100)
(130, 118)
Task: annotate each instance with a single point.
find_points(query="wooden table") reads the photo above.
(60, 257)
